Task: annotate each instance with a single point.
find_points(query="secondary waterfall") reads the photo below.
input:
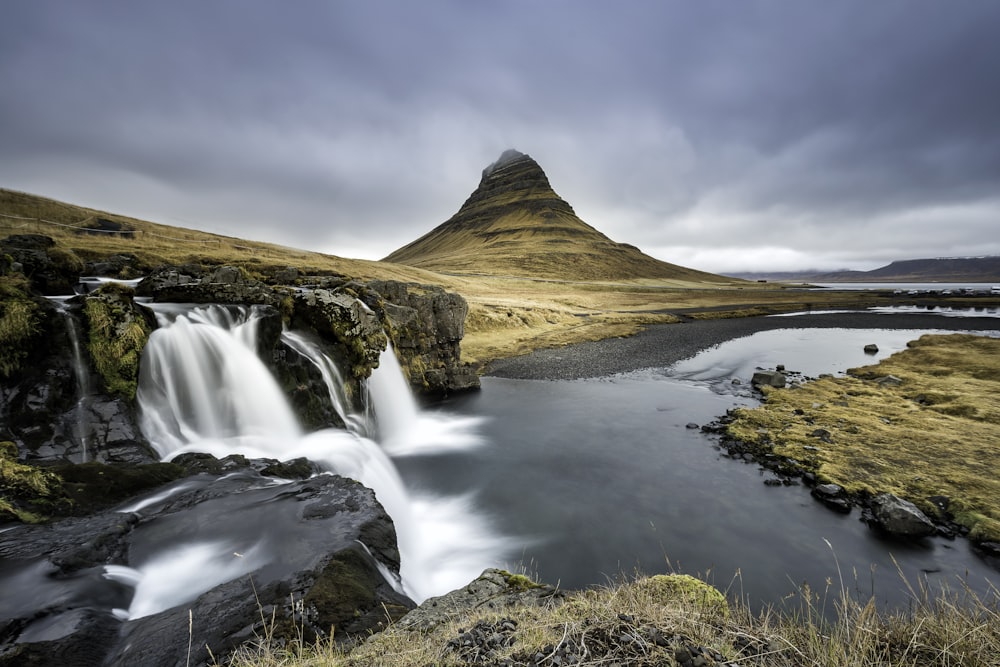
(202, 388)
(82, 375)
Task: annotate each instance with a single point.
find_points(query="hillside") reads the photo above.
(515, 224)
(87, 234)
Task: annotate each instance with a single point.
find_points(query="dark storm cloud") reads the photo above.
(716, 134)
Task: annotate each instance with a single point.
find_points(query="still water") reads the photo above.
(589, 480)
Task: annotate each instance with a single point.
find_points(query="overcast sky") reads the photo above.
(724, 136)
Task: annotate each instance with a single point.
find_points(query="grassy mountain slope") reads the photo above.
(515, 224)
(89, 234)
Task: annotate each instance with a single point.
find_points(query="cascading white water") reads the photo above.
(403, 428)
(359, 424)
(202, 388)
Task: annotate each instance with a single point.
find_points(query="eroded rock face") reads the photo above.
(309, 569)
(340, 318)
(41, 408)
(427, 326)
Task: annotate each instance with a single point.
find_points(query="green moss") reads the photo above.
(519, 581)
(687, 589)
(19, 323)
(117, 335)
(23, 487)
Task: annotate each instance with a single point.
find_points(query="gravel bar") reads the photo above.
(664, 344)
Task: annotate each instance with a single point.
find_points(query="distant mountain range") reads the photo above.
(515, 224)
(941, 270)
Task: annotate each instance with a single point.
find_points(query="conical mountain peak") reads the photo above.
(515, 224)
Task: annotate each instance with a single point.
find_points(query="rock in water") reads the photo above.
(900, 517)
(768, 378)
(316, 567)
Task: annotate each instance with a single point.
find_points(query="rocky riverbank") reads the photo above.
(663, 345)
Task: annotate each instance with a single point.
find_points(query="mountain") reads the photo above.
(515, 224)
(940, 269)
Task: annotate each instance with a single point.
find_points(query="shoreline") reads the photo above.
(662, 345)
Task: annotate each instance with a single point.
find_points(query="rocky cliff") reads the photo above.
(354, 322)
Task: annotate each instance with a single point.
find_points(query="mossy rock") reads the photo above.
(687, 589)
(345, 596)
(20, 324)
(26, 492)
(117, 333)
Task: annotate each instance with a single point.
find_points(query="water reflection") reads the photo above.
(601, 477)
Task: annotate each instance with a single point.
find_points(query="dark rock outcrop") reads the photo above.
(340, 318)
(427, 325)
(223, 284)
(316, 568)
(43, 411)
(350, 319)
(50, 269)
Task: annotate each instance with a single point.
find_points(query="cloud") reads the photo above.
(729, 134)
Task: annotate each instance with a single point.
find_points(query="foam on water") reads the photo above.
(203, 389)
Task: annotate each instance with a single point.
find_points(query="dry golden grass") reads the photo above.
(643, 622)
(937, 433)
(157, 244)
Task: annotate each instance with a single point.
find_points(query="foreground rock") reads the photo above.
(194, 568)
(493, 590)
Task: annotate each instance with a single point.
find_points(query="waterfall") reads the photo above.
(404, 429)
(82, 375)
(359, 424)
(202, 388)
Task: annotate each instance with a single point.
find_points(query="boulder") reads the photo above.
(493, 589)
(318, 567)
(871, 348)
(833, 496)
(899, 517)
(768, 379)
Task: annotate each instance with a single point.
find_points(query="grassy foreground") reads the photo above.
(923, 423)
(662, 621)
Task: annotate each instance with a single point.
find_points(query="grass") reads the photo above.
(19, 481)
(19, 323)
(934, 432)
(663, 619)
